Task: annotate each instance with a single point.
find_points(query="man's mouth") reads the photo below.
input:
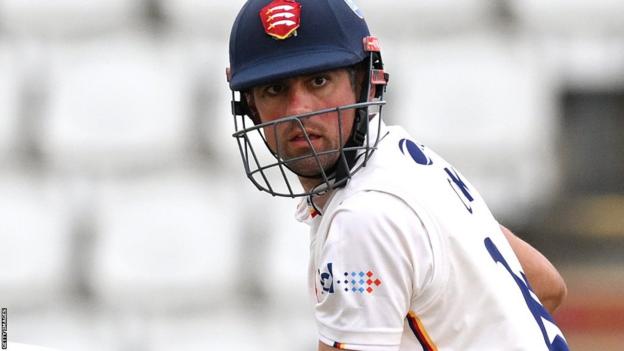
(300, 138)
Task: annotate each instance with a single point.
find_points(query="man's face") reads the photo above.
(302, 94)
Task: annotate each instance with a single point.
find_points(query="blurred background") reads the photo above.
(126, 222)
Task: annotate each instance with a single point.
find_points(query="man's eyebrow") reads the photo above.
(329, 71)
(303, 76)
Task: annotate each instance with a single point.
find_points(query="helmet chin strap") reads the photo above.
(358, 133)
(343, 166)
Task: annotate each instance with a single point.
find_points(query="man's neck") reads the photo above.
(319, 200)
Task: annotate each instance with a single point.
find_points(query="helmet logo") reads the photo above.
(281, 18)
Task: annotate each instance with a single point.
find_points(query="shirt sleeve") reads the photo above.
(378, 256)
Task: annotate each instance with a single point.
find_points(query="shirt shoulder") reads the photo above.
(419, 176)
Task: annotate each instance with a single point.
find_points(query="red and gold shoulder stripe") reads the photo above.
(420, 332)
(339, 346)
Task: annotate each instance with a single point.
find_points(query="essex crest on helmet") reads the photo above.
(281, 18)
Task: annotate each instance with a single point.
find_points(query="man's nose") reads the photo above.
(299, 100)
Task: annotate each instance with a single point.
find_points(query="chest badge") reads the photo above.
(281, 18)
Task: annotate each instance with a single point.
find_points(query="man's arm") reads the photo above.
(544, 278)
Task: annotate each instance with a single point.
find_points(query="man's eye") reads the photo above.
(319, 81)
(274, 89)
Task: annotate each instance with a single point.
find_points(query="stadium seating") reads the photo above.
(569, 17)
(214, 331)
(289, 299)
(581, 39)
(68, 325)
(67, 18)
(35, 240)
(165, 242)
(203, 18)
(116, 103)
(402, 18)
(216, 124)
(10, 88)
(288, 245)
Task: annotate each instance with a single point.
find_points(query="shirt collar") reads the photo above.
(306, 211)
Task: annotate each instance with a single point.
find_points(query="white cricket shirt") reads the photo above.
(408, 257)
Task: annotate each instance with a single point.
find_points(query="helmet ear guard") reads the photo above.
(377, 76)
(240, 107)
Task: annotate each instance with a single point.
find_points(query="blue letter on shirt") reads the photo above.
(467, 198)
(539, 312)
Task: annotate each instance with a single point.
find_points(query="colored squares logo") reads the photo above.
(359, 282)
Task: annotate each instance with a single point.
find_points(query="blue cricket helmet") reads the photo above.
(329, 35)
